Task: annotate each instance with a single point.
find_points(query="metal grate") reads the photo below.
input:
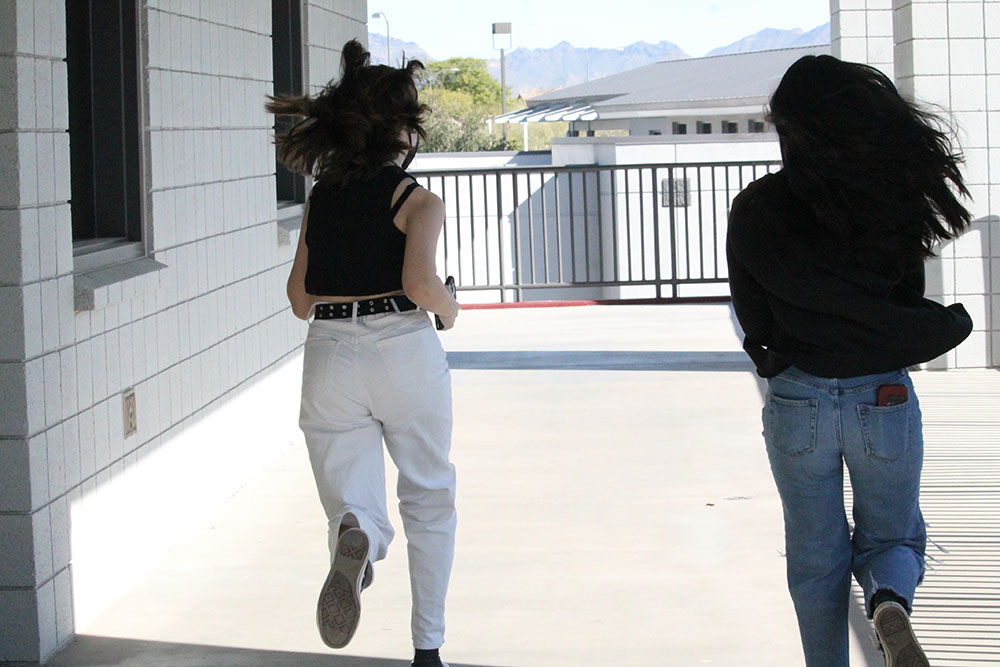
(957, 608)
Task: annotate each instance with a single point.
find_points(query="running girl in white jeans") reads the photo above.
(374, 369)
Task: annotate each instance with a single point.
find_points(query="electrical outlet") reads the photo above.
(128, 413)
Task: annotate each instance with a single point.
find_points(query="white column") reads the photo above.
(861, 31)
(947, 54)
(37, 362)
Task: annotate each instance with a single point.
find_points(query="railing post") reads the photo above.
(458, 227)
(472, 227)
(503, 280)
(614, 223)
(559, 254)
(531, 227)
(673, 233)
(518, 280)
(628, 224)
(572, 228)
(545, 232)
(586, 228)
(656, 235)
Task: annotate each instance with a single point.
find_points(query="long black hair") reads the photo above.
(352, 127)
(880, 173)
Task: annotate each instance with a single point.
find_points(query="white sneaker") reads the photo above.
(899, 644)
(339, 607)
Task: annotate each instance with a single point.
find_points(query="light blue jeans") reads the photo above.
(812, 426)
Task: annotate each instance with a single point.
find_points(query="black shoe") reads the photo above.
(427, 658)
(339, 607)
(899, 644)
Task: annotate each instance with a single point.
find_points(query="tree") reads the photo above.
(465, 75)
(463, 97)
(456, 123)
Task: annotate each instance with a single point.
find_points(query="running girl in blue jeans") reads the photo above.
(826, 269)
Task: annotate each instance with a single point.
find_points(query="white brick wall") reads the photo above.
(943, 56)
(862, 31)
(207, 341)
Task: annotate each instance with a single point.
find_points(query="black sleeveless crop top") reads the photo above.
(354, 247)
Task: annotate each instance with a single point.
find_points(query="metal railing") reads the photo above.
(590, 232)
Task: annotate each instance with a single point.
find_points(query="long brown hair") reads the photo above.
(351, 128)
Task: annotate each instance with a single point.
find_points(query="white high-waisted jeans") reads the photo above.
(385, 377)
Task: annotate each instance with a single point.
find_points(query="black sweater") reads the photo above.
(800, 306)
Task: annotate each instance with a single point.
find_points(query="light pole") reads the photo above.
(502, 29)
(388, 48)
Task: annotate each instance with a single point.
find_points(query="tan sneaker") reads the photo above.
(899, 644)
(339, 607)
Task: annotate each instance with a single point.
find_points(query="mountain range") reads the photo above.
(411, 50)
(534, 71)
(770, 38)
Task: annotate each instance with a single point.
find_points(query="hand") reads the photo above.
(447, 322)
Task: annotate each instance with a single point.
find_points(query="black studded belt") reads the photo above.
(387, 304)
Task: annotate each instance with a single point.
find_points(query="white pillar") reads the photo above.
(861, 31)
(947, 54)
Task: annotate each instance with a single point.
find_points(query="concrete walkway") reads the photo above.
(611, 512)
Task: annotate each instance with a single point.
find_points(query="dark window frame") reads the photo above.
(730, 127)
(103, 63)
(755, 126)
(679, 128)
(703, 127)
(286, 53)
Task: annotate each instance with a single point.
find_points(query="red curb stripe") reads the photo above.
(594, 302)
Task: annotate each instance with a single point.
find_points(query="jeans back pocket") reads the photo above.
(790, 424)
(886, 430)
(414, 359)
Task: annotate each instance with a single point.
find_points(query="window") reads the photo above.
(755, 126)
(729, 127)
(655, 133)
(286, 51)
(703, 128)
(680, 128)
(102, 63)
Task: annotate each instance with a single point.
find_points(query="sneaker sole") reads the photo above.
(892, 625)
(339, 607)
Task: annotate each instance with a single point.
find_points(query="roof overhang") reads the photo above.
(550, 113)
(584, 112)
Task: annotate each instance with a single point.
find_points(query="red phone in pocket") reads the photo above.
(892, 394)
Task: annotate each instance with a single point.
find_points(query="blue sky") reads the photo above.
(447, 28)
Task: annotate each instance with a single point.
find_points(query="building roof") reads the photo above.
(731, 80)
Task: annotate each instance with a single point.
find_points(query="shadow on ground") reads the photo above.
(95, 651)
(599, 360)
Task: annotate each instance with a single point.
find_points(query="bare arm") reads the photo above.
(421, 218)
(301, 302)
